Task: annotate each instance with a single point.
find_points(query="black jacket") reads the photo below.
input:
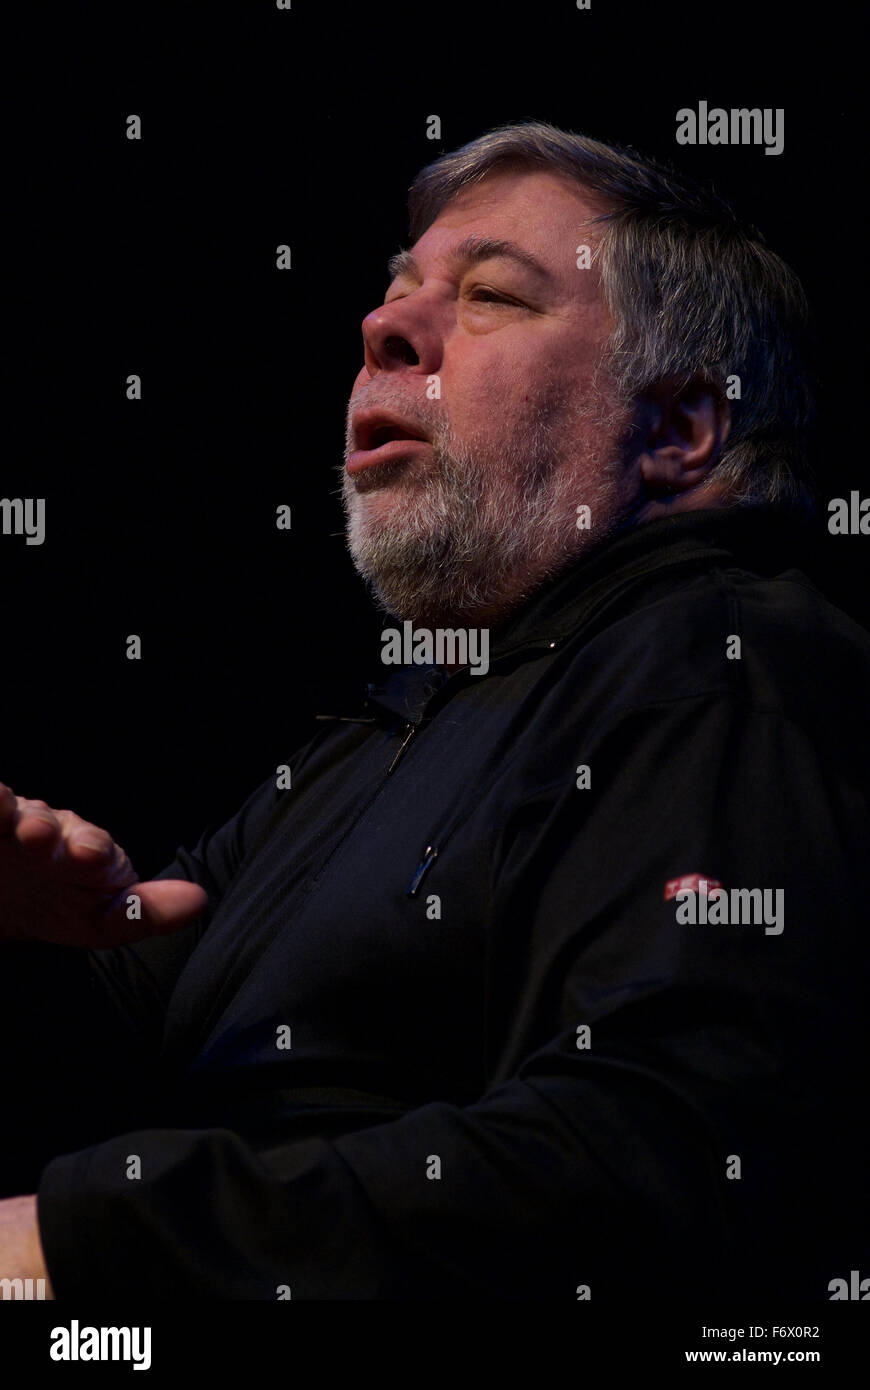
(440, 1124)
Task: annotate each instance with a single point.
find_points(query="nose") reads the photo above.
(400, 334)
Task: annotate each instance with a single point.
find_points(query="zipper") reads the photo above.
(430, 854)
(410, 731)
(464, 807)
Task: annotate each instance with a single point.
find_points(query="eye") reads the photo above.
(485, 295)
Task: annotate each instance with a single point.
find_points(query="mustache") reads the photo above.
(432, 423)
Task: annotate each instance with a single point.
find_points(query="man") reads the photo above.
(536, 977)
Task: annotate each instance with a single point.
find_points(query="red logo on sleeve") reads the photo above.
(690, 883)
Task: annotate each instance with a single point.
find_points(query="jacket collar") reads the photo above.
(761, 540)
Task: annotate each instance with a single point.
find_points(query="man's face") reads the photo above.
(487, 363)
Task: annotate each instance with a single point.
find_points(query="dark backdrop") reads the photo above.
(157, 257)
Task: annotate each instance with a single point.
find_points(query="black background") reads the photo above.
(157, 257)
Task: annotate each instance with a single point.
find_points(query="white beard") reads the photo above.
(475, 535)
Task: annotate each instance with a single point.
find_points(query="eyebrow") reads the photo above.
(468, 252)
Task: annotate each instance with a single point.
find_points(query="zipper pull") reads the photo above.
(412, 729)
(430, 854)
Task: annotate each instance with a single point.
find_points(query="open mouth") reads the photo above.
(385, 434)
(381, 440)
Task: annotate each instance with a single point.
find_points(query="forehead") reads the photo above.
(545, 213)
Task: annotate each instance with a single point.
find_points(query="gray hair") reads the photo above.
(693, 291)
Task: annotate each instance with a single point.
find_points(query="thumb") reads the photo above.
(165, 905)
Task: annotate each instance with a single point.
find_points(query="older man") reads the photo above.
(538, 980)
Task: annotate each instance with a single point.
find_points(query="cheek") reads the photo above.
(488, 383)
(488, 378)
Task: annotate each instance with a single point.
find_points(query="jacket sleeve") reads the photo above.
(139, 978)
(670, 1149)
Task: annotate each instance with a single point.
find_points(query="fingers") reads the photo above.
(33, 823)
(35, 826)
(89, 843)
(40, 830)
(84, 898)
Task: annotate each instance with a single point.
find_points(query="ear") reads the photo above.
(688, 424)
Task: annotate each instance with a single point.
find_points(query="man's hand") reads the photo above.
(64, 880)
(21, 1255)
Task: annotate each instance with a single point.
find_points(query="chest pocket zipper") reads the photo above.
(430, 854)
(498, 760)
(494, 764)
